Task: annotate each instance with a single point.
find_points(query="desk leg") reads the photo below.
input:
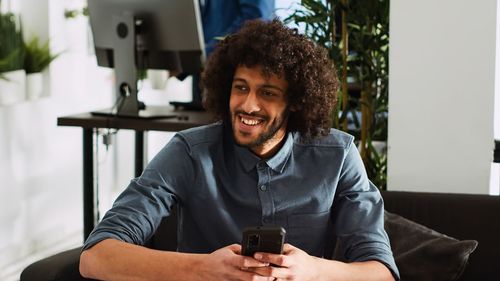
(139, 152)
(88, 182)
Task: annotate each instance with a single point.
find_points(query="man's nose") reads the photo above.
(251, 103)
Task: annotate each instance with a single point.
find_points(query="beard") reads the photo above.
(270, 131)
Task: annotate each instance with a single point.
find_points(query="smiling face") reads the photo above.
(258, 107)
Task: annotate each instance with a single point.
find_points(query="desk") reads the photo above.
(90, 123)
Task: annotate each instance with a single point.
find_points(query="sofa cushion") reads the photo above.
(424, 254)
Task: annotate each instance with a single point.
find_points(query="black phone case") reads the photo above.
(267, 239)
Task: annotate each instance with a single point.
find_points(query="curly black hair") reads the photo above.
(279, 50)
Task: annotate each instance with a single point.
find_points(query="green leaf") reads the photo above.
(11, 43)
(38, 56)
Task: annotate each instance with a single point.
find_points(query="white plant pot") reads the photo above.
(13, 90)
(34, 85)
(157, 78)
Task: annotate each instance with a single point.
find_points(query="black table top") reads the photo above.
(178, 120)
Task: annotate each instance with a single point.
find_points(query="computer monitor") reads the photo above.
(132, 35)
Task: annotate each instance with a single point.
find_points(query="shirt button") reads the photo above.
(263, 187)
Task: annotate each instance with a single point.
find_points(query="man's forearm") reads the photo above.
(370, 270)
(116, 260)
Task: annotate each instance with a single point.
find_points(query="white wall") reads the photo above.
(41, 163)
(442, 90)
(495, 169)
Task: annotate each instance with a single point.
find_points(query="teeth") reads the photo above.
(250, 122)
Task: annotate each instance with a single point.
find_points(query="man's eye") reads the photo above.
(268, 94)
(240, 87)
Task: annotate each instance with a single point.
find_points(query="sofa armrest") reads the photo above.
(63, 266)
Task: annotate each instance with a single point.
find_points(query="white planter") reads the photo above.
(157, 78)
(34, 85)
(13, 90)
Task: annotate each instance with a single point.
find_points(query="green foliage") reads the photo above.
(38, 56)
(367, 63)
(377, 164)
(11, 43)
(71, 14)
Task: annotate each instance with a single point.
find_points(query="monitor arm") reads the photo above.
(124, 57)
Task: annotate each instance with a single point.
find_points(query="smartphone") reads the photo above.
(267, 239)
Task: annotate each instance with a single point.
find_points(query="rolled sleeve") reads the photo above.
(139, 210)
(358, 216)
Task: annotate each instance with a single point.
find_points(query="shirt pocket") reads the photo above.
(308, 231)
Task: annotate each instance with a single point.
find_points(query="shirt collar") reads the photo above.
(278, 161)
(249, 160)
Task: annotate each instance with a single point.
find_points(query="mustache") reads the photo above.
(264, 117)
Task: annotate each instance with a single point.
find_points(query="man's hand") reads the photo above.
(228, 264)
(293, 264)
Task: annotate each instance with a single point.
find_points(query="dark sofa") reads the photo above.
(461, 216)
(475, 217)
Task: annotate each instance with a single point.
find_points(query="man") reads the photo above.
(270, 160)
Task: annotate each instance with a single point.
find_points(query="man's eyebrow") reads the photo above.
(237, 79)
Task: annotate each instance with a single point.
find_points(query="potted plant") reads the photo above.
(37, 58)
(12, 74)
(73, 13)
(356, 35)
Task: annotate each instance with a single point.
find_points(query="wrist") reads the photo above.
(193, 267)
(328, 270)
(320, 267)
(182, 266)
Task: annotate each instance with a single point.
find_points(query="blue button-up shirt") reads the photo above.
(317, 190)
